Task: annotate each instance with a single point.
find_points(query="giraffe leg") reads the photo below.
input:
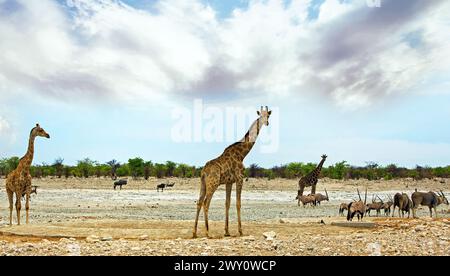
(313, 189)
(199, 206)
(214, 183)
(302, 188)
(227, 208)
(206, 204)
(27, 207)
(11, 202)
(18, 206)
(238, 204)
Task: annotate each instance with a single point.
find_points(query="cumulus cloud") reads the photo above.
(105, 48)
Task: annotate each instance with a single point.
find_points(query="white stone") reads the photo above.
(270, 235)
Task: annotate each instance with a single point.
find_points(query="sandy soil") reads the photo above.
(87, 217)
(251, 184)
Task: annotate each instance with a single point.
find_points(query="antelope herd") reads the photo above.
(402, 201)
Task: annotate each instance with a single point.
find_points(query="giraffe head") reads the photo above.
(324, 156)
(38, 131)
(264, 115)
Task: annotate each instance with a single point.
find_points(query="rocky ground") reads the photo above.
(67, 219)
(390, 237)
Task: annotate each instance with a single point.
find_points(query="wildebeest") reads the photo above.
(320, 197)
(342, 207)
(120, 183)
(357, 208)
(374, 206)
(309, 199)
(430, 199)
(403, 203)
(161, 186)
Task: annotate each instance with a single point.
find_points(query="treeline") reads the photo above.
(135, 168)
(139, 168)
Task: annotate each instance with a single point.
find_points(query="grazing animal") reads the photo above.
(403, 203)
(305, 200)
(120, 183)
(342, 208)
(170, 185)
(430, 199)
(387, 206)
(357, 208)
(19, 180)
(374, 206)
(33, 191)
(311, 179)
(161, 186)
(226, 170)
(318, 198)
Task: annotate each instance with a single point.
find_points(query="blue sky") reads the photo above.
(104, 77)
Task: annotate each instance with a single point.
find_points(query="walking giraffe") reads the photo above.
(310, 180)
(228, 169)
(19, 180)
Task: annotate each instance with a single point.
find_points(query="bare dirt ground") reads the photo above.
(87, 217)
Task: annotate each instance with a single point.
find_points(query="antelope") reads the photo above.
(374, 206)
(357, 208)
(342, 207)
(320, 197)
(33, 191)
(309, 199)
(170, 185)
(161, 186)
(430, 199)
(403, 203)
(387, 206)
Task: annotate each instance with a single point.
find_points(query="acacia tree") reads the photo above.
(67, 171)
(148, 169)
(58, 166)
(7, 165)
(160, 170)
(136, 166)
(114, 165)
(170, 168)
(85, 167)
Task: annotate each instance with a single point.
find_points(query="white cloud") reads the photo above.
(107, 49)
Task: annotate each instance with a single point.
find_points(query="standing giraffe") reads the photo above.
(19, 180)
(310, 180)
(228, 169)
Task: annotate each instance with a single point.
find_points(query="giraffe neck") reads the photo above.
(245, 145)
(317, 170)
(27, 159)
(250, 137)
